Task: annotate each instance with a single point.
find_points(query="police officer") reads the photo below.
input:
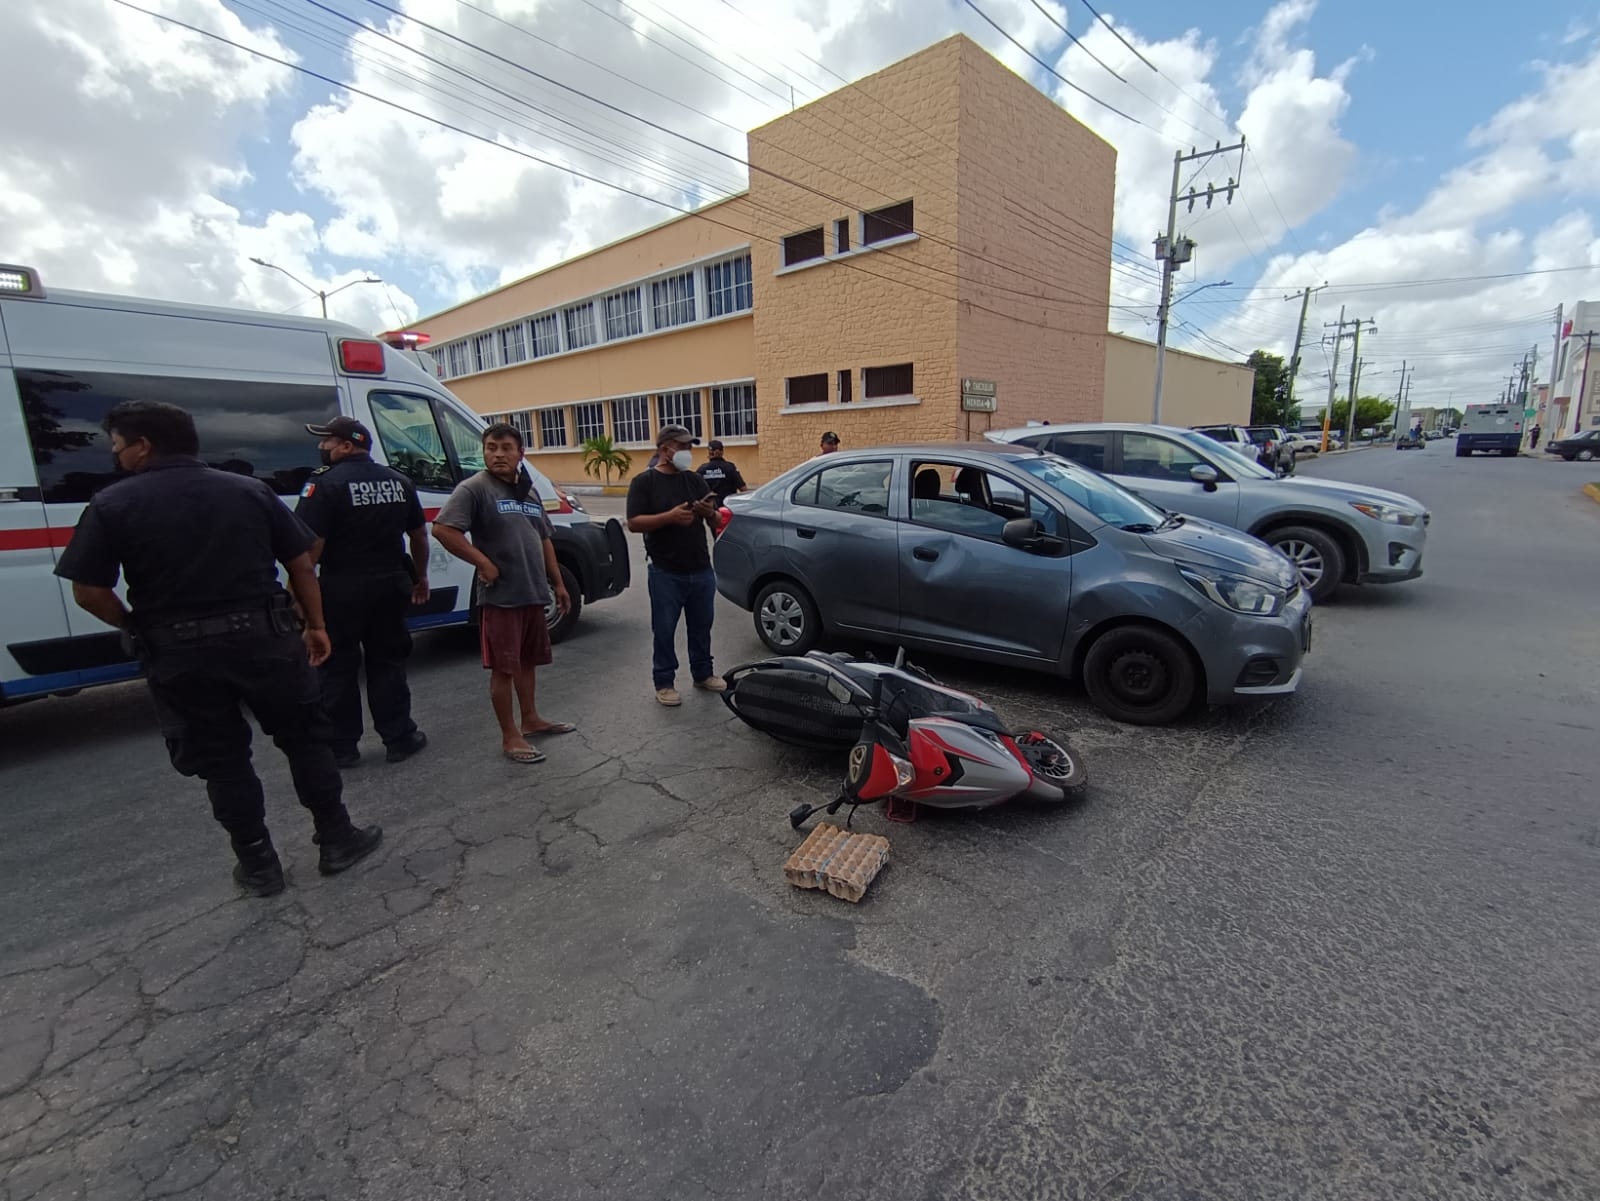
(359, 511)
(214, 630)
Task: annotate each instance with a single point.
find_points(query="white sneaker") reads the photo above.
(668, 697)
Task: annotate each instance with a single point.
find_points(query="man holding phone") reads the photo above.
(673, 507)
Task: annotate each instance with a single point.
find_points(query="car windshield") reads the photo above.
(1110, 502)
(1261, 436)
(1238, 464)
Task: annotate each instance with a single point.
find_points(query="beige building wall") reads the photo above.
(1037, 190)
(1196, 391)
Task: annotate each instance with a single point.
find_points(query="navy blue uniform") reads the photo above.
(363, 510)
(215, 631)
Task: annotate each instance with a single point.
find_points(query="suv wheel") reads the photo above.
(786, 618)
(1140, 675)
(1315, 555)
(562, 624)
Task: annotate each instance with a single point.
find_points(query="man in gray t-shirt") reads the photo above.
(517, 575)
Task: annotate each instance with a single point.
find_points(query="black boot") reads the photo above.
(406, 747)
(340, 851)
(258, 871)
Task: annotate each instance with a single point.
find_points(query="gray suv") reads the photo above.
(1334, 533)
(1007, 555)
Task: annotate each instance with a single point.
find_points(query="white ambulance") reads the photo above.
(253, 381)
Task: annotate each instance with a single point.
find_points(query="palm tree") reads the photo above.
(601, 454)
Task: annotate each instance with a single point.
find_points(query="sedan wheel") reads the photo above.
(786, 619)
(1316, 557)
(1585, 455)
(1140, 675)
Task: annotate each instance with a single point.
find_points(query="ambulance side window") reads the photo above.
(405, 427)
(253, 428)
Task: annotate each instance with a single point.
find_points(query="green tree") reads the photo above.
(1371, 411)
(1271, 390)
(602, 455)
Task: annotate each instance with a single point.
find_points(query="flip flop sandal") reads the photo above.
(554, 728)
(528, 756)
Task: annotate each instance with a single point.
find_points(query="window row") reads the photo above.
(682, 298)
(633, 420)
(877, 383)
(868, 229)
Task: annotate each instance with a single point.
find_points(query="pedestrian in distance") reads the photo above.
(720, 473)
(1533, 442)
(510, 546)
(672, 506)
(215, 632)
(829, 443)
(362, 513)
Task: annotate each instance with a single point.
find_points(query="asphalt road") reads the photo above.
(1339, 947)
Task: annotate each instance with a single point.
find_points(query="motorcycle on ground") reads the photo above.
(911, 739)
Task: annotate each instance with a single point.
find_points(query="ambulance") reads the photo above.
(253, 382)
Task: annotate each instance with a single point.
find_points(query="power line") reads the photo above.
(1084, 91)
(1078, 42)
(1120, 38)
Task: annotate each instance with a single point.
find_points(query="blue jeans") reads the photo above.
(694, 595)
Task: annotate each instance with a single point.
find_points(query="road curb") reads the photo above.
(1593, 492)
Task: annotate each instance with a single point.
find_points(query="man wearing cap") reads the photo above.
(672, 506)
(830, 442)
(720, 473)
(362, 512)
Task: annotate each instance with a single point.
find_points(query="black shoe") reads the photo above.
(348, 849)
(346, 757)
(406, 747)
(258, 871)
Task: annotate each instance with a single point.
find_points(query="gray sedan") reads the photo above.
(1007, 555)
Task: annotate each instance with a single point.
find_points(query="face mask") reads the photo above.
(116, 466)
(683, 460)
(327, 458)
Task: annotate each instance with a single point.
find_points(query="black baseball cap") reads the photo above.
(714, 444)
(830, 436)
(347, 428)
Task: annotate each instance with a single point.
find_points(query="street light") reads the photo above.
(317, 292)
(1221, 283)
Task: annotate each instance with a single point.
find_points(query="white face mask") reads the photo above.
(683, 460)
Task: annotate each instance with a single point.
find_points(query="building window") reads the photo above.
(455, 359)
(882, 224)
(521, 421)
(590, 420)
(624, 315)
(806, 389)
(845, 384)
(630, 419)
(552, 427)
(803, 247)
(483, 352)
(728, 287)
(680, 408)
(579, 320)
(882, 382)
(514, 343)
(546, 335)
(672, 300)
(841, 235)
(733, 411)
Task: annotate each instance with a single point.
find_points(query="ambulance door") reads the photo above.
(35, 656)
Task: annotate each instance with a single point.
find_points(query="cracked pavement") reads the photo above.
(1339, 947)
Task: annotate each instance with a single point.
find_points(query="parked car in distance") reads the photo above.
(1274, 450)
(1010, 556)
(1582, 447)
(1306, 443)
(1334, 533)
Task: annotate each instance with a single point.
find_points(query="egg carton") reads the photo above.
(841, 862)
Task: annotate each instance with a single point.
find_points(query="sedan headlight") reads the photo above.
(1390, 514)
(1235, 592)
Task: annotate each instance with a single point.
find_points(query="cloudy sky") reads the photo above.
(1439, 175)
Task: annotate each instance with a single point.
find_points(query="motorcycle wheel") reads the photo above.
(1056, 766)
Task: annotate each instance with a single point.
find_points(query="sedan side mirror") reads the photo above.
(1025, 533)
(1206, 474)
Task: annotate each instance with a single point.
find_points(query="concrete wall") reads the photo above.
(1196, 391)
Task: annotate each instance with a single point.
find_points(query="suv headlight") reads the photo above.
(1390, 514)
(1235, 592)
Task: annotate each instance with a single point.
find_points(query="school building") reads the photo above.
(940, 221)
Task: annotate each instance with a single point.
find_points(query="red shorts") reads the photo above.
(514, 640)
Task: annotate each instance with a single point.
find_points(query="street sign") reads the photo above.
(979, 395)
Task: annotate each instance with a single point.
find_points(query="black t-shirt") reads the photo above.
(190, 539)
(722, 477)
(672, 547)
(364, 510)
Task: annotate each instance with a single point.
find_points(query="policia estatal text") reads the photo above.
(214, 630)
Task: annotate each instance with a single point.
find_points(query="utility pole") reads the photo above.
(1173, 252)
(1399, 400)
(1355, 374)
(1555, 360)
(1583, 384)
(1333, 378)
(1294, 359)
